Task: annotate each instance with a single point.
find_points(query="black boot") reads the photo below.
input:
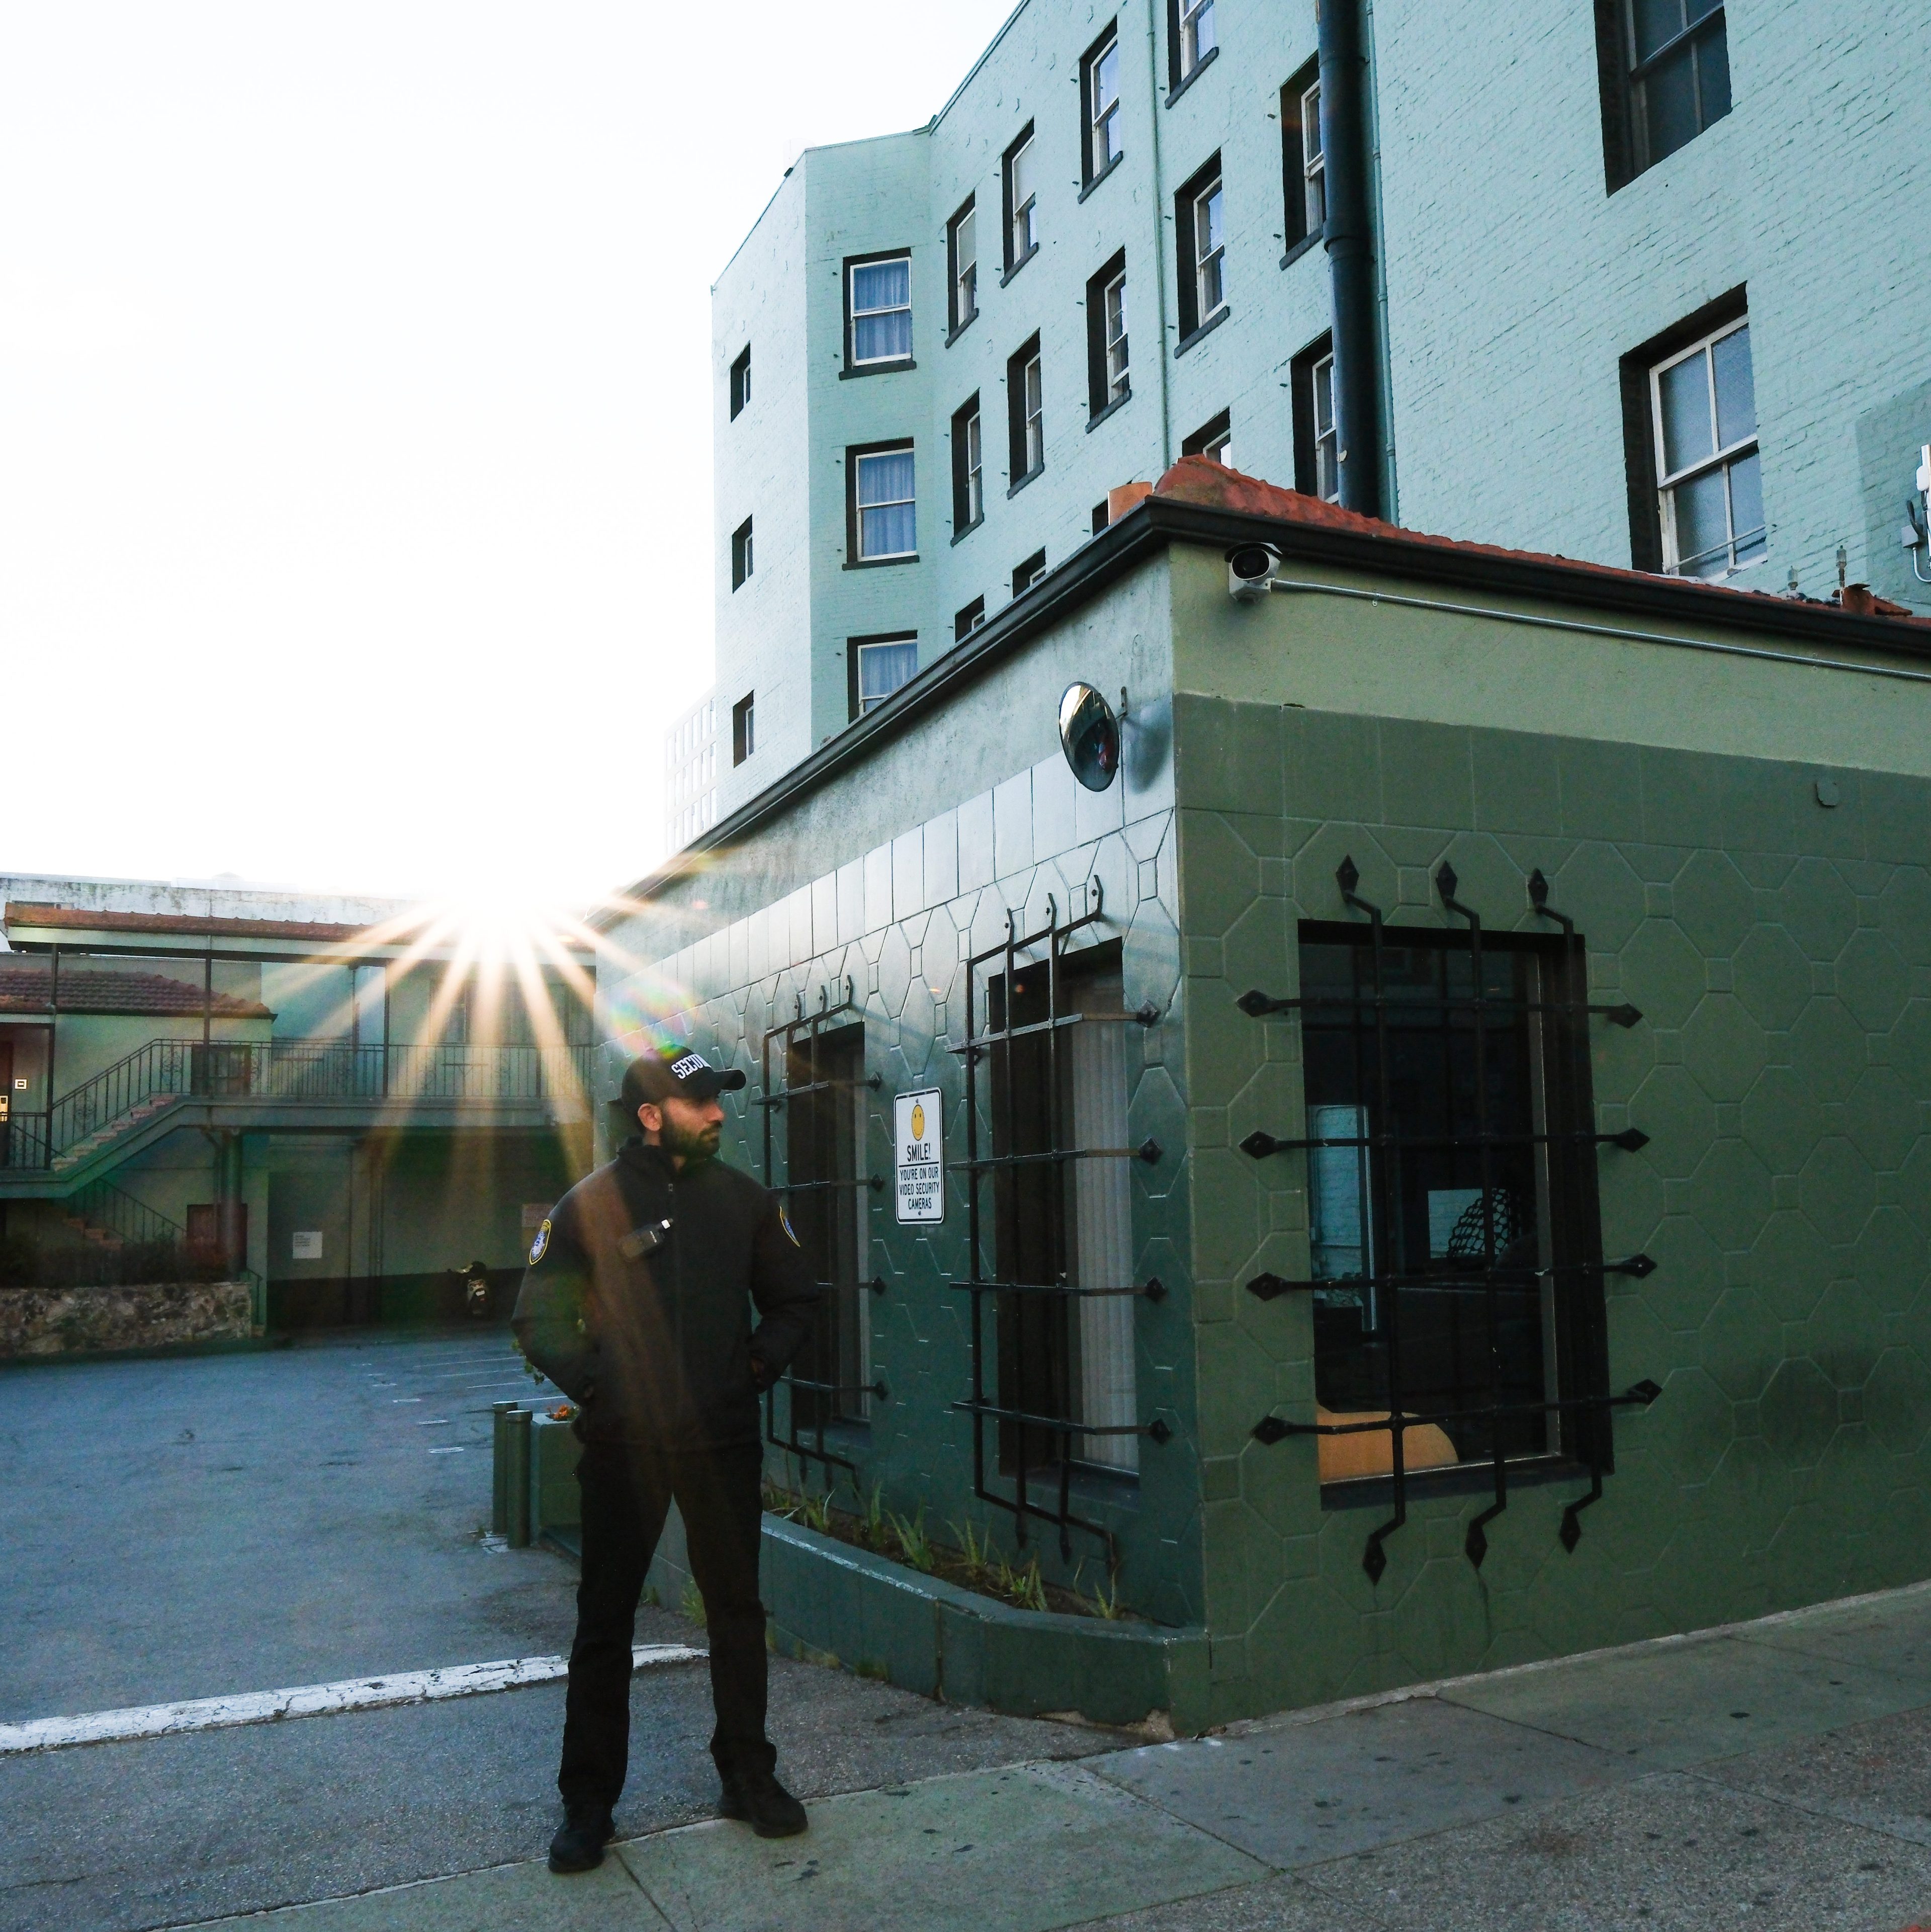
(579, 1843)
(753, 1794)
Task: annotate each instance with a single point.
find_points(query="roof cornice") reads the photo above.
(1317, 534)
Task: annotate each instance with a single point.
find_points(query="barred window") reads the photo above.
(1455, 1263)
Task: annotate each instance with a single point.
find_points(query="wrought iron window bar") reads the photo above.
(1017, 952)
(1572, 1016)
(827, 1395)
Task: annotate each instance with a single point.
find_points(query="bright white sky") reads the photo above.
(355, 415)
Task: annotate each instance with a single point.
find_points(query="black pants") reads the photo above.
(628, 1490)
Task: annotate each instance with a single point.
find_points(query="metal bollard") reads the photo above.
(499, 1493)
(517, 1477)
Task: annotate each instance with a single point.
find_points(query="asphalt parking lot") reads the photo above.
(205, 1527)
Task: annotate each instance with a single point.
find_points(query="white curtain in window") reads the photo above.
(1103, 1237)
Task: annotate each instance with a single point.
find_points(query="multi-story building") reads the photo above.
(1637, 284)
(691, 770)
(344, 1102)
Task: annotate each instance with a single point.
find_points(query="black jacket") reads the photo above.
(637, 1300)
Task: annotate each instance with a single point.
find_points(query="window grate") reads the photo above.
(834, 1187)
(1013, 1096)
(1510, 1110)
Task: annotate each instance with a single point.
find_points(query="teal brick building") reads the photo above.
(1635, 284)
(1494, 990)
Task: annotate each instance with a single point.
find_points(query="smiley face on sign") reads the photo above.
(918, 1119)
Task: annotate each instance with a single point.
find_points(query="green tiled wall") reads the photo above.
(1780, 951)
(897, 924)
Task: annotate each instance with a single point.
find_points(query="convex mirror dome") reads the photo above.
(1089, 736)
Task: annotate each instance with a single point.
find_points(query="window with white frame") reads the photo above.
(884, 503)
(1210, 242)
(1327, 443)
(968, 479)
(1709, 477)
(1314, 163)
(879, 665)
(1100, 76)
(962, 265)
(1214, 439)
(1108, 380)
(1022, 210)
(1025, 413)
(1196, 40)
(880, 296)
(1113, 309)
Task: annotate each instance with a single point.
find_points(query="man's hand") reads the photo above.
(759, 1378)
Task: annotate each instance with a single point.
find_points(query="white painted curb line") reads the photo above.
(309, 1700)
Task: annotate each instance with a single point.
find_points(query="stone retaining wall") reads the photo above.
(36, 1321)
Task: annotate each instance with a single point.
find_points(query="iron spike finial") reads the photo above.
(1445, 880)
(1538, 889)
(1348, 876)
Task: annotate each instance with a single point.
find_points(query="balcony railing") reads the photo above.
(301, 1071)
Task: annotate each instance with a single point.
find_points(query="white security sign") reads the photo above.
(919, 1156)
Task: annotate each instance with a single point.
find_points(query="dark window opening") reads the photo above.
(1642, 456)
(1101, 517)
(1025, 414)
(1107, 373)
(741, 382)
(1191, 41)
(1453, 1239)
(1200, 250)
(744, 723)
(1663, 66)
(962, 267)
(967, 619)
(1316, 446)
(741, 554)
(827, 1208)
(1303, 162)
(1029, 573)
(1214, 438)
(1047, 1128)
(968, 469)
(1020, 195)
(1101, 141)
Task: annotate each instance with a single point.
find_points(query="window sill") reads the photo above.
(961, 329)
(1100, 176)
(1308, 241)
(876, 369)
(1093, 422)
(1018, 264)
(1200, 69)
(1205, 328)
(879, 562)
(1459, 1479)
(960, 536)
(1031, 476)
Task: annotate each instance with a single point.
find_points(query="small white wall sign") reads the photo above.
(307, 1245)
(918, 1156)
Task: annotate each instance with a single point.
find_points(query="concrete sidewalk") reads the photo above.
(1775, 1776)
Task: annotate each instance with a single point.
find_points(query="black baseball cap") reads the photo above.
(651, 1078)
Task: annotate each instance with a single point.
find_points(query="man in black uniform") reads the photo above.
(636, 1303)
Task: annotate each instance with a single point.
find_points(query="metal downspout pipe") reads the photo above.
(1350, 256)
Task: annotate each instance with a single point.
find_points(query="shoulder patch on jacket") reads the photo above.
(539, 1246)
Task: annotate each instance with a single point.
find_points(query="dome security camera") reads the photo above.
(1250, 570)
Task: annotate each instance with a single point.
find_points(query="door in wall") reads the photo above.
(6, 1094)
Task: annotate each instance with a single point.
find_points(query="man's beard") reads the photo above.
(702, 1145)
